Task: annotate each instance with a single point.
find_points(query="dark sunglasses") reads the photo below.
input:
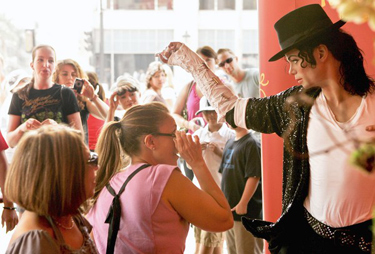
(228, 61)
(173, 135)
(93, 159)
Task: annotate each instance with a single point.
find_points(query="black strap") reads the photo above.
(114, 213)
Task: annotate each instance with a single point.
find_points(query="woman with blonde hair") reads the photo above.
(66, 72)
(51, 188)
(155, 80)
(126, 94)
(153, 213)
(41, 102)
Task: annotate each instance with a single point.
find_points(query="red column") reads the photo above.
(275, 78)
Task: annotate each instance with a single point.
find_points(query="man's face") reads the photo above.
(228, 63)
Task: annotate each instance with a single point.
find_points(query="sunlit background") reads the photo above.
(113, 37)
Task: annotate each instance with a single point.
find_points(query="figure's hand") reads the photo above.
(49, 122)
(240, 209)
(10, 219)
(189, 148)
(30, 124)
(168, 51)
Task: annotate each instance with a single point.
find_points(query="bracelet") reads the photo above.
(94, 97)
(9, 208)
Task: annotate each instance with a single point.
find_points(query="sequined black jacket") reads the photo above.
(287, 115)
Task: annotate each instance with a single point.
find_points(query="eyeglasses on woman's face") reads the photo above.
(173, 135)
(93, 159)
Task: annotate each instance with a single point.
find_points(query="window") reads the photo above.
(216, 38)
(141, 4)
(250, 41)
(250, 49)
(206, 4)
(226, 5)
(217, 4)
(249, 4)
(134, 41)
(133, 50)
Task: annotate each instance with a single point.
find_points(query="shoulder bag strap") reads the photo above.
(114, 213)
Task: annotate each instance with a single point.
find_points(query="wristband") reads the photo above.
(9, 208)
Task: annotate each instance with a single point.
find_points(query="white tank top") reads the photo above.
(339, 194)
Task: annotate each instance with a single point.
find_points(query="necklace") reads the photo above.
(65, 227)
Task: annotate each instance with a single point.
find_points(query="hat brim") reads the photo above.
(205, 109)
(282, 53)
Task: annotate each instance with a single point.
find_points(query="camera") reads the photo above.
(78, 84)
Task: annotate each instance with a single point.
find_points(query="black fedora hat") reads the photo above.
(301, 25)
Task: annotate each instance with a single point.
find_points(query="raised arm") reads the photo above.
(95, 105)
(113, 104)
(220, 96)
(206, 208)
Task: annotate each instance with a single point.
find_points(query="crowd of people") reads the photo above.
(128, 172)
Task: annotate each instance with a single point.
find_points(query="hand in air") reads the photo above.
(168, 51)
(88, 90)
(113, 101)
(189, 148)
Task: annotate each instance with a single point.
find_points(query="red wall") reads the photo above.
(275, 78)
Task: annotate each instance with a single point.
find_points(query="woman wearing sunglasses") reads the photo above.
(159, 202)
(52, 174)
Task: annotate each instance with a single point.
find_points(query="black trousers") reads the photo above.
(300, 238)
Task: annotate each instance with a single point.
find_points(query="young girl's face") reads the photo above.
(43, 63)
(128, 99)
(210, 116)
(67, 75)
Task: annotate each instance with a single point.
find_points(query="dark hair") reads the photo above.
(125, 136)
(207, 51)
(345, 50)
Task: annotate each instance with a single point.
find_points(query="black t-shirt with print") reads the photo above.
(241, 160)
(54, 103)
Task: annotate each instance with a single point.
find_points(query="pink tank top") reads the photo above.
(147, 225)
(192, 103)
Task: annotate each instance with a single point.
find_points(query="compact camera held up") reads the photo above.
(78, 84)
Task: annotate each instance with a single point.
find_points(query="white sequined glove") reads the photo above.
(219, 95)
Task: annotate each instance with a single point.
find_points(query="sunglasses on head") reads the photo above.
(228, 61)
(93, 159)
(122, 90)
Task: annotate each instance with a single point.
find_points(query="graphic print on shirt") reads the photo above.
(42, 108)
(227, 159)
